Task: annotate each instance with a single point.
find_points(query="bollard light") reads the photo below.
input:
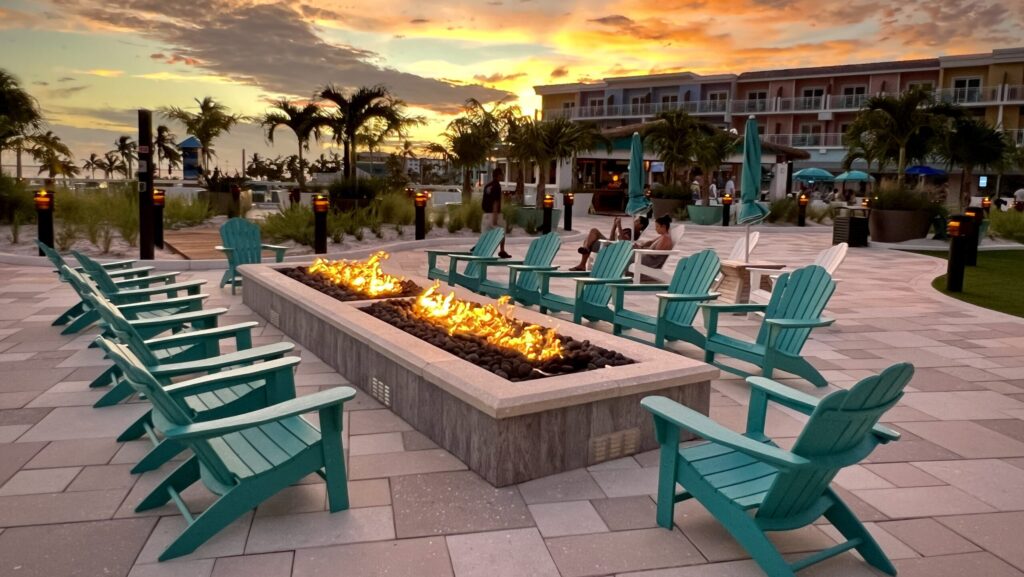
(953, 229)
(803, 199)
(865, 202)
(960, 229)
(567, 201)
(44, 200)
(801, 213)
(977, 216)
(420, 198)
(986, 203)
(726, 204)
(549, 201)
(727, 199)
(548, 205)
(159, 197)
(321, 203)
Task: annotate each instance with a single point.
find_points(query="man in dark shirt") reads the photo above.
(492, 208)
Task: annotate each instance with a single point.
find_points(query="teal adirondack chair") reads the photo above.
(244, 459)
(242, 245)
(523, 284)
(484, 249)
(752, 486)
(677, 301)
(118, 270)
(592, 293)
(798, 299)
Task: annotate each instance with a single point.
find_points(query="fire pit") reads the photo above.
(508, 432)
(351, 280)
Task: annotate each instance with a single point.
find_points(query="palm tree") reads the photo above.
(127, 148)
(55, 165)
(111, 164)
(555, 140)
(206, 125)
(304, 122)
(173, 158)
(90, 164)
(355, 109)
(971, 144)
(47, 149)
(518, 149)
(712, 149)
(165, 146)
(674, 137)
(19, 116)
(465, 147)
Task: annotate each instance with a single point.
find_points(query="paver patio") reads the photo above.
(945, 500)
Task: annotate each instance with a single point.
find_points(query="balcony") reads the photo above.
(1014, 94)
(1016, 136)
(752, 105)
(847, 101)
(820, 140)
(969, 96)
(637, 110)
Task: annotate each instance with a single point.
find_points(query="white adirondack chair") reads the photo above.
(659, 274)
(738, 251)
(828, 259)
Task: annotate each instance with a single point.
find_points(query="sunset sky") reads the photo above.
(91, 63)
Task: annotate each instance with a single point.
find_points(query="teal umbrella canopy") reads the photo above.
(854, 176)
(638, 203)
(813, 175)
(750, 185)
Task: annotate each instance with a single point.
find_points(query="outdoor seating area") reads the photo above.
(162, 395)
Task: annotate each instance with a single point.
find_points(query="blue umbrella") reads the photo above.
(638, 203)
(854, 176)
(751, 212)
(921, 170)
(813, 175)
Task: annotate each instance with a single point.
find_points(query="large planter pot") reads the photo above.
(581, 203)
(704, 214)
(667, 206)
(898, 225)
(525, 214)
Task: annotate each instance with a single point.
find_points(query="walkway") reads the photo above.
(194, 244)
(947, 500)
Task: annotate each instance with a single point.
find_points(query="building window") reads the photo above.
(811, 100)
(810, 135)
(669, 101)
(596, 107)
(717, 101)
(853, 96)
(966, 89)
(757, 101)
(925, 86)
(636, 105)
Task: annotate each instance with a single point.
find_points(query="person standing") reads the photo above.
(713, 191)
(730, 187)
(491, 203)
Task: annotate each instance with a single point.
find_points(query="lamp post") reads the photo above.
(960, 233)
(321, 204)
(567, 201)
(420, 200)
(549, 205)
(145, 176)
(986, 204)
(801, 213)
(158, 217)
(726, 207)
(44, 216)
(977, 215)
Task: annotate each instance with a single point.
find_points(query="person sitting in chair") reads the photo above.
(591, 244)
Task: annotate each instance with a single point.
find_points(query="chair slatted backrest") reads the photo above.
(541, 252)
(799, 295)
(740, 248)
(694, 275)
(830, 258)
(144, 383)
(611, 262)
(53, 256)
(97, 273)
(243, 238)
(676, 234)
(838, 434)
(116, 323)
(487, 245)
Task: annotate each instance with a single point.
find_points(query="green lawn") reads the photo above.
(997, 282)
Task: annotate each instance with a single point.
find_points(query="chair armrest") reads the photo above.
(121, 274)
(121, 264)
(146, 281)
(619, 291)
(563, 273)
(129, 309)
(539, 268)
(225, 379)
(686, 418)
(170, 321)
(676, 297)
(650, 251)
(591, 280)
(333, 397)
(224, 249)
(219, 333)
(472, 257)
(440, 252)
(502, 262)
(712, 310)
(191, 287)
(799, 323)
(278, 251)
(237, 358)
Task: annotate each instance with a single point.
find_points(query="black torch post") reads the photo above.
(568, 199)
(44, 216)
(960, 236)
(801, 213)
(145, 175)
(549, 205)
(977, 216)
(420, 199)
(726, 208)
(158, 217)
(321, 204)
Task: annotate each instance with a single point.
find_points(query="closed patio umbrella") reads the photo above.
(751, 211)
(638, 203)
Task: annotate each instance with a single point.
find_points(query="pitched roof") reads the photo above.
(842, 69)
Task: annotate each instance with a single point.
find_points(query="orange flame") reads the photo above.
(362, 277)
(495, 323)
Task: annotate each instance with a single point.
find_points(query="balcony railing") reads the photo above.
(818, 140)
(751, 105)
(1014, 94)
(978, 95)
(1016, 136)
(847, 101)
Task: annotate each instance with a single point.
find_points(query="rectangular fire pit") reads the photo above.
(508, 432)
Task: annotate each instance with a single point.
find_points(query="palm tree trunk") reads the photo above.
(302, 173)
(159, 159)
(966, 176)
(902, 164)
(521, 183)
(18, 154)
(467, 185)
(542, 179)
(346, 169)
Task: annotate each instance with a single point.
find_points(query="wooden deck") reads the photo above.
(194, 244)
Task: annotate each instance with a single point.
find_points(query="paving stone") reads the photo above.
(446, 503)
(21, 510)
(962, 405)
(406, 463)
(174, 568)
(627, 482)
(569, 486)
(501, 554)
(423, 557)
(928, 537)
(846, 565)
(295, 499)
(997, 483)
(15, 400)
(567, 518)
(375, 444)
(416, 441)
(26, 416)
(266, 565)
(860, 477)
(379, 421)
(369, 493)
(32, 379)
(923, 501)
(903, 475)
(1013, 428)
(39, 481)
(104, 477)
(956, 566)
(10, 433)
(13, 457)
(229, 541)
(622, 513)
(66, 423)
(89, 549)
(967, 439)
(284, 532)
(998, 533)
(933, 380)
(621, 551)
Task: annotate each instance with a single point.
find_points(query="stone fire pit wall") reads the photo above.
(507, 432)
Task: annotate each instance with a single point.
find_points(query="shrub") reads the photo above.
(396, 208)
(124, 215)
(106, 237)
(179, 212)
(508, 212)
(15, 200)
(672, 191)
(437, 217)
(337, 223)
(293, 223)
(66, 236)
(455, 220)
(1008, 225)
(472, 215)
(15, 228)
(360, 189)
(782, 210)
(531, 221)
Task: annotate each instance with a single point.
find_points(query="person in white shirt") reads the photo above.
(730, 187)
(1018, 200)
(713, 191)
